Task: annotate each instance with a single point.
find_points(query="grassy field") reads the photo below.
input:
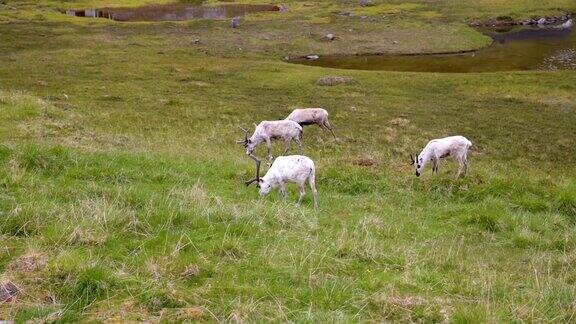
(121, 193)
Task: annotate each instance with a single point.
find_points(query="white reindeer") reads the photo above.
(266, 131)
(311, 116)
(437, 149)
(291, 168)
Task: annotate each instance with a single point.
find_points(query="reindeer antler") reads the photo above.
(257, 179)
(245, 136)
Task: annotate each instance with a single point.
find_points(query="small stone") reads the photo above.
(190, 271)
(328, 37)
(8, 291)
(235, 23)
(312, 57)
(196, 41)
(395, 42)
(366, 3)
(282, 8)
(568, 24)
(541, 21)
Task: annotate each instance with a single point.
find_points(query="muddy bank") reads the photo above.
(503, 21)
(367, 54)
(174, 11)
(521, 48)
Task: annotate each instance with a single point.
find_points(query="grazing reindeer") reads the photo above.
(266, 131)
(291, 168)
(437, 149)
(311, 116)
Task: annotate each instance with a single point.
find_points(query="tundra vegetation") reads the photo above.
(121, 194)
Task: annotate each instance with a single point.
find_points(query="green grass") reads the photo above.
(121, 193)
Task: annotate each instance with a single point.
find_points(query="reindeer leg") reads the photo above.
(270, 158)
(299, 143)
(312, 181)
(283, 190)
(460, 165)
(288, 143)
(302, 193)
(436, 166)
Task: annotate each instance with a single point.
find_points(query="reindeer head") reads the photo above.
(248, 143)
(264, 187)
(417, 163)
(245, 141)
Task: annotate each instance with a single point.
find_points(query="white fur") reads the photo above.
(311, 116)
(291, 168)
(266, 131)
(437, 149)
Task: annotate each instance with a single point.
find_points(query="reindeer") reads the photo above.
(266, 131)
(311, 116)
(291, 168)
(437, 149)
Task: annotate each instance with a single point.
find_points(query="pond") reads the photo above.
(175, 11)
(516, 49)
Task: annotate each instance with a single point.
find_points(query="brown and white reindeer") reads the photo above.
(311, 116)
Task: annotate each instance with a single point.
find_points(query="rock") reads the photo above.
(395, 42)
(527, 22)
(282, 8)
(312, 57)
(366, 3)
(190, 271)
(567, 24)
(541, 21)
(333, 80)
(328, 37)
(8, 291)
(235, 23)
(196, 41)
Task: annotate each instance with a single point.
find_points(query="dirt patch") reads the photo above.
(400, 122)
(82, 237)
(366, 162)
(333, 80)
(29, 262)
